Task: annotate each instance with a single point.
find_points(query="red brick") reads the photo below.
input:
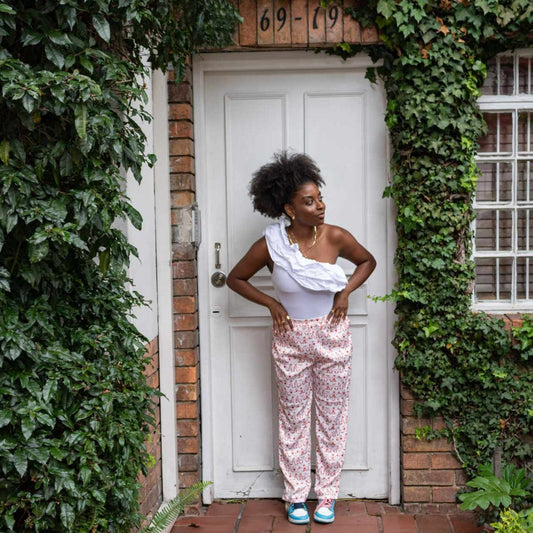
(224, 509)
(356, 507)
(412, 507)
(183, 251)
(182, 198)
(186, 410)
(438, 423)
(398, 524)
(444, 494)
(180, 129)
(406, 393)
(460, 478)
(186, 322)
(428, 477)
(180, 112)
(248, 28)
(334, 31)
(184, 287)
(206, 524)
(186, 479)
(187, 392)
(444, 461)
(186, 374)
(184, 304)
(412, 444)
(283, 36)
(181, 92)
(351, 28)
(256, 524)
(265, 12)
(184, 269)
(316, 14)
(186, 357)
(410, 425)
(369, 35)
(187, 428)
(416, 494)
(265, 507)
(432, 524)
(299, 28)
(181, 163)
(462, 524)
(182, 182)
(181, 147)
(407, 407)
(416, 461)
(188, 445)
(373, 508)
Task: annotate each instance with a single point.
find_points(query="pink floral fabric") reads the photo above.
(312, 360)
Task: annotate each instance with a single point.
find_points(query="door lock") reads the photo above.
(218, 278)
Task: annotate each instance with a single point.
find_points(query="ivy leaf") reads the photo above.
(67, 515)
(386, 8)
(102, 27)
(5, 417)
(80, 120)
(4, 151)
(20, 461)
(58, 37)
(28, 426)
(54, 55)
(104, 260)
(37, 252)
(4, 8)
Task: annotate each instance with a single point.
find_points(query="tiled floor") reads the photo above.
(352, 516)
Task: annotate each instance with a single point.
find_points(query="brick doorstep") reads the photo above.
(268, 516)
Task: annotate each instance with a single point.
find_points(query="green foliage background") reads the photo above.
(74, 405)
(458, 363)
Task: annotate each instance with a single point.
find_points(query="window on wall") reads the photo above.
(503, 248)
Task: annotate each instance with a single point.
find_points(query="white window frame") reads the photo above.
(513, 103)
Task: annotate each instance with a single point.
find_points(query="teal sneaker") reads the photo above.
(325, 511)
(297, 513)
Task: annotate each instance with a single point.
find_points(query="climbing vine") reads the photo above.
(74, 405)
(459, 364)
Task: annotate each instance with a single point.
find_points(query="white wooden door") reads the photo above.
(243, 115)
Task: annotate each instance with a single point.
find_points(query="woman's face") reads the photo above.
(307, 206)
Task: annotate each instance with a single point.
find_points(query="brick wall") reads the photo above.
(151, 494)
(185, 293)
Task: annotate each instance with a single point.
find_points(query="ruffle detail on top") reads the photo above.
(311, 274)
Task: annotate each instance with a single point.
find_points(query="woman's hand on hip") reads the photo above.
(281, 321)
(339, 310)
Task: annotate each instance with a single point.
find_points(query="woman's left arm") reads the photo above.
(365, 263)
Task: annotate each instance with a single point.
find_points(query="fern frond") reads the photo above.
(175, 507)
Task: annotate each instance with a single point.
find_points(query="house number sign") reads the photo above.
(317, 17)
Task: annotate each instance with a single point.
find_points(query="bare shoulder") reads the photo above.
(337, 235)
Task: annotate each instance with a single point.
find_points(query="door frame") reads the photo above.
(278, 61)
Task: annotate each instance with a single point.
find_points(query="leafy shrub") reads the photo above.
(74, 404)
(495, 493)
(513, 522)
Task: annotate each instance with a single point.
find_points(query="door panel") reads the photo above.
(336, 116)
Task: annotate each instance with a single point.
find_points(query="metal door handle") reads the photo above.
(218, 278)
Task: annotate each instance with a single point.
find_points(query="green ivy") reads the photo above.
(458, 363)
(75, 409)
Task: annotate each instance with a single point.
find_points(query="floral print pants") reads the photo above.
(312, 360)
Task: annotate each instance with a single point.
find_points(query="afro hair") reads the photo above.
(273, 185)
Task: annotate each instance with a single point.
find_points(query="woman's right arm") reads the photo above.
(254, 260)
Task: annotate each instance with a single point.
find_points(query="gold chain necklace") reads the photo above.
(293, 240)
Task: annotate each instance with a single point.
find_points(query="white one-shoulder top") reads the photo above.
(305, 287)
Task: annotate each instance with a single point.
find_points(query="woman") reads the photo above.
(311, 344)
